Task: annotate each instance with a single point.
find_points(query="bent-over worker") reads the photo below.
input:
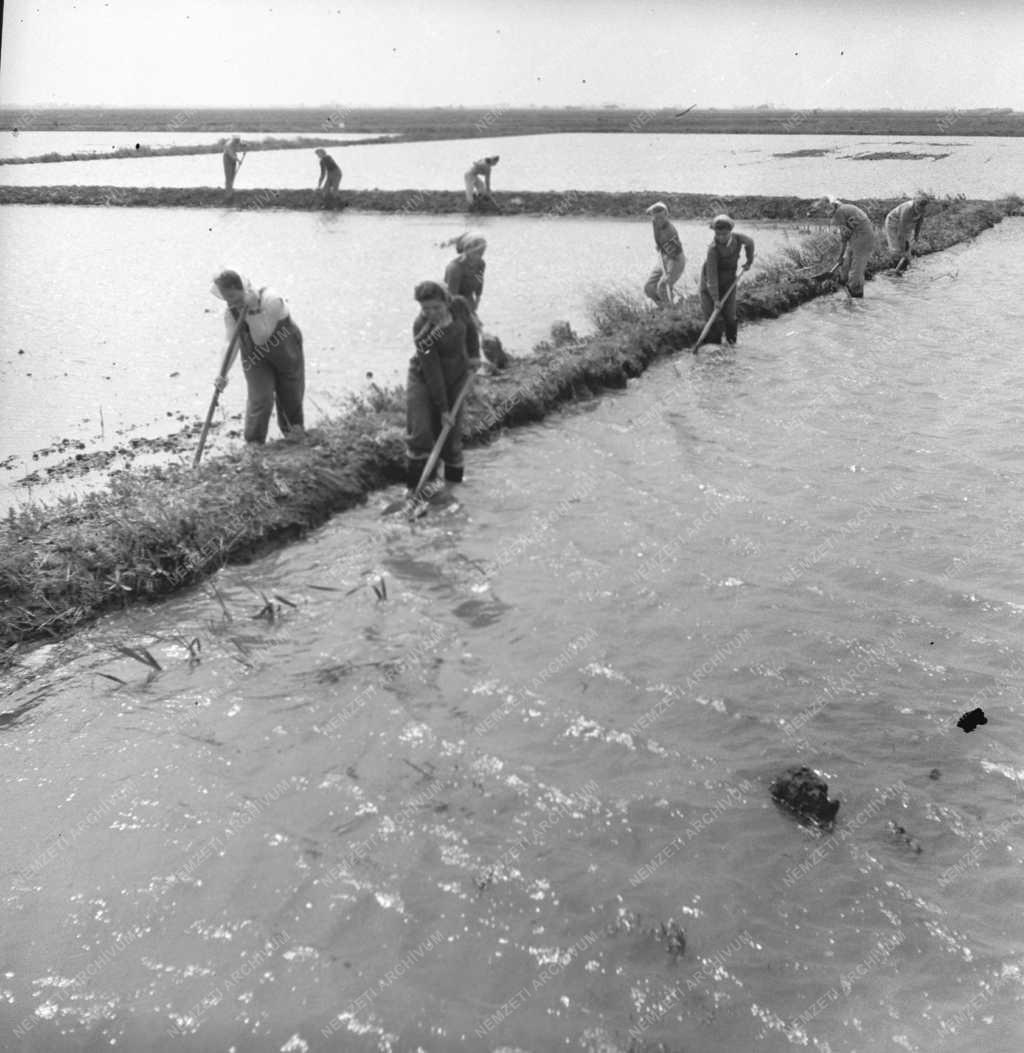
(903, 226)
(464, 275)
(478, 179)
(718, 275)
(857, 240)
(672, 261)
(272, 357)
(330, 175)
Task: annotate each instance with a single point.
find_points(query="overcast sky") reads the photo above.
(182, 53)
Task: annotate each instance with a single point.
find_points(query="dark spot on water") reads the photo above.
(935, 774)
(969, 721)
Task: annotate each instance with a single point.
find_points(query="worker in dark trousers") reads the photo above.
(232, 162)
(330, 176)
(447, 352)
(464, 275)
(718, 275)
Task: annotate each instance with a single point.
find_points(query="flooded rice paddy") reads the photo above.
(457, 802)
(714, 164)
(141, 338)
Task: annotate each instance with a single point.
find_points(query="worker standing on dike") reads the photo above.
(857, 236)
(330, 175)
(478, 180)
(672, 261)
(232, 162)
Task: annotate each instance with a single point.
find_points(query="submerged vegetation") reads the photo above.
(156, 530)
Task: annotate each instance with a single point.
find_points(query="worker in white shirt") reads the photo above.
(272, 357)
(478, 179)
(903, 227)
(857, 240)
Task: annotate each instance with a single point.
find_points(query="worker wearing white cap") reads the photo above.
(903, 226)
(718, 277)
(671, 260)
(858, 240)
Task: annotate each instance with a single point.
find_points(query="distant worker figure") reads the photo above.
(447, 353)
(478, 180)
(330, 175)
(232, 162)
(272, 357)
(903, 227)
(857, 240)
(464, 275)
(718, 275)
(672, 262)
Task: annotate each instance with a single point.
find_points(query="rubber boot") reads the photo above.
(453, 473)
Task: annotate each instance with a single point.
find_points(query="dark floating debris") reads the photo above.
(969, 721)
(805, 793)
(900, 835)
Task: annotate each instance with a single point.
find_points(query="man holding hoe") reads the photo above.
(272, 357)
(857, 241)
(903, 227)
(718, 277)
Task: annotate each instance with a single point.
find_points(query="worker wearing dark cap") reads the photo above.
(719, 274)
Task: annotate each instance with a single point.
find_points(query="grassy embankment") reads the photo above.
(547, 203)
(177, 151)
(157, 530)
(459, 122)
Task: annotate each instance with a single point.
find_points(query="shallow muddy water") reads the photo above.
(451, 818)
(693, 164)
(141, 337)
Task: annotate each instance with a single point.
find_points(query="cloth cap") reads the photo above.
(721, 220)
(320, 150)
(658, 206)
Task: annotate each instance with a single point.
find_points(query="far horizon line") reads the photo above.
(508, 107)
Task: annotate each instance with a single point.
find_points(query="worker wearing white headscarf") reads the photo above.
(464, 275)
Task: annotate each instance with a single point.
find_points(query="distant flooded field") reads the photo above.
(800, 165)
